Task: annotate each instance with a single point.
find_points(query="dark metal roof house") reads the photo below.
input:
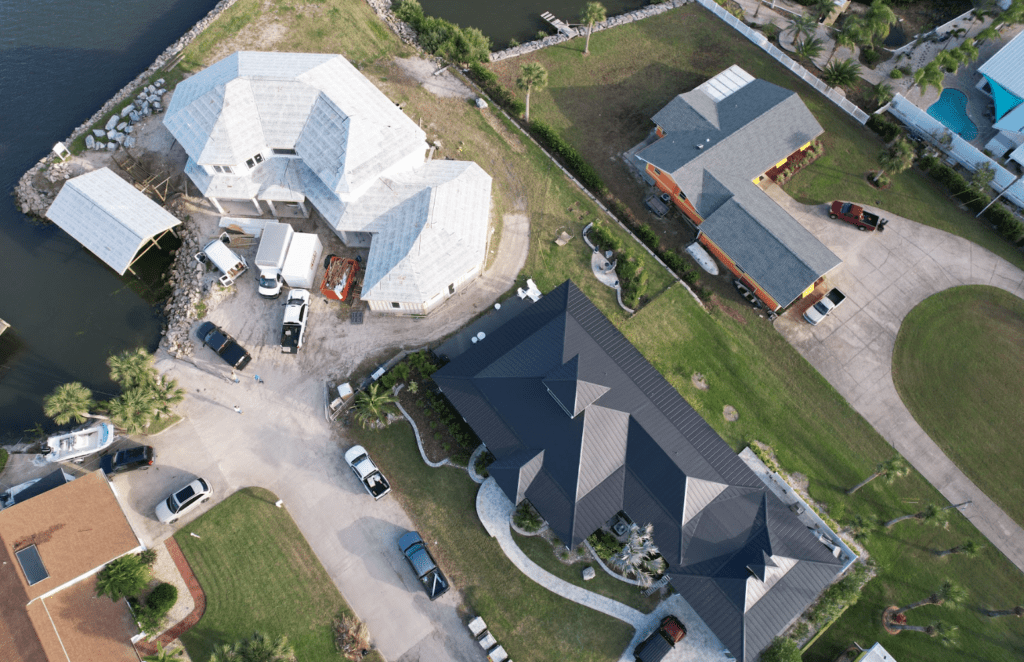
(716, 141)
(584, 427)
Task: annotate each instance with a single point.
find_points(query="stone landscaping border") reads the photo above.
(144, 647)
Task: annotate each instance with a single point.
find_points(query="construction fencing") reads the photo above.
(958, 149)
(761, 41)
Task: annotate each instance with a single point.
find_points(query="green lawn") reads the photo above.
(259, 574)
(603, 104)
(958, 368)
(532, 623)
(783, 401)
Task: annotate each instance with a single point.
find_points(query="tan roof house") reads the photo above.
(53, 545)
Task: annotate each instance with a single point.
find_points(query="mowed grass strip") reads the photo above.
(784, 401)
(532, 623)
(259, 574)
(958, 365)
(603, 105)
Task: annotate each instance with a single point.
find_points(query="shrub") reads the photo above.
(150, 616)
(550, 138)
(540, 34)
(896, 74)
(605, 545)
(489, 83)
(148, 556)
(871, 56)
(646, 235)
(124, 577)
(1005, 222)
(601, 237)
(409, 11)
(483, 461)
(885, 128)
(440, 37)
(512, 43)
(3, 458)
(782, 649)
(162, 598)
(526, 518)
(838, 597)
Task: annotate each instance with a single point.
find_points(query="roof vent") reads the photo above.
(472, 339)
(481, 335)
(699, 146)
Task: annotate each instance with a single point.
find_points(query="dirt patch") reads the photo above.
(730, 413)
(443, 84)
(719, 304)
(513, 140)
(699, 381)
(261, 35)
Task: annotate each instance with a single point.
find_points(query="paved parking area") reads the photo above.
(884, 276)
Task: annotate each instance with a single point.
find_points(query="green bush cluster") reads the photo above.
(812, 154)
(838, 597)
(871, 56)
(605, 545)
(887, 129)
(440, 37)
(633, 278)
(1005, 222)
(676, 264)
(483, 461)
(782, 649)
(526, 518)
(501, 95)
(896, 74)
(573, 159)
(150, 615)
(3, 458)
(449, 417)
(602, 238)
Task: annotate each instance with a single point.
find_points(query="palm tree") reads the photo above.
(880, 18)
(841, 73)
(931, 514)
(373, 405)
(808, 48)
(131, 368)
(967, 52)
(593, 12)
(969, 549)
(823, 8)
(134, 410)
(166, 394)
(530, 76)
(883, 93)
(69, 402)
(950, 595)
(930, 75)
(640, 557)
(896, 158)
(947, 634)
(124, 577)
(986, 34)
(163, 654)
(1016, 611)
(848, 37)
(802, 24)
(262, 649)
(948, 61)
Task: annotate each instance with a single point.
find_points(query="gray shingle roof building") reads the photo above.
(291, 127)
(718, 139)
(584, 427)
(109, 216)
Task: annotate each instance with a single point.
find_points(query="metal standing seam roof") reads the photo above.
(736, 553)
(719, 137)
(108, 216)
(1006, 67)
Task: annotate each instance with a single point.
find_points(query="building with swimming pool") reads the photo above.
(1002, 78)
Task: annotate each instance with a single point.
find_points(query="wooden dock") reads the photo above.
(559, 25)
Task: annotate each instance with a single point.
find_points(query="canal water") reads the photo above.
(519, 20)
(60, 60)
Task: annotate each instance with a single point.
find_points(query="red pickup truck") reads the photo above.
(855, 214)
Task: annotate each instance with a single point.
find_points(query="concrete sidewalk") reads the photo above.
(885, 275)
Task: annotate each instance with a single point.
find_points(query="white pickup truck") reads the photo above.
(367, 472)
(824, 306)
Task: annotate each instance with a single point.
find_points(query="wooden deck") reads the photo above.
(559, 24)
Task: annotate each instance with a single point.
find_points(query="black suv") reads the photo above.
(219, 341)
(126, 459)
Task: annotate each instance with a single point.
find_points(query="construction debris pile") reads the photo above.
(120, 125)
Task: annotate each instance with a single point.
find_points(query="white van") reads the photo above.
(226, 260)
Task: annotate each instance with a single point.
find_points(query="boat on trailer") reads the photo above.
(79, 443)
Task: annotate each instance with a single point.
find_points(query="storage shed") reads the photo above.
(110, 217)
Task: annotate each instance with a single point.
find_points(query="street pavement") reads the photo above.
(884, 276)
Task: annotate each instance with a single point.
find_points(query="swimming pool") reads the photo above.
(951, 110)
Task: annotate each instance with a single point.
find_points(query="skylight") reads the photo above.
(32, 565)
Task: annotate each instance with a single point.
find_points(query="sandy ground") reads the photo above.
(442, 84)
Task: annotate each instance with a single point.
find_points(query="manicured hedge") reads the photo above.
(1006, 223)
(502, 96)
(575, 162)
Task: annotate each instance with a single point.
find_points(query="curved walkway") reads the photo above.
(885, 275)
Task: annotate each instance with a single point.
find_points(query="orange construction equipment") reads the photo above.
(339, 278)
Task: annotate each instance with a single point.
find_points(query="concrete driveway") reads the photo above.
(282, 442)
(885, 275)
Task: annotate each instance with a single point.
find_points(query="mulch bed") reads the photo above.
(144, 647)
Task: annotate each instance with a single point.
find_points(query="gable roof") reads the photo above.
(76, 529)
(108, 216)
(345, 129)
(614, 435)
(718, 138)
(430, 225)
(1005, 67)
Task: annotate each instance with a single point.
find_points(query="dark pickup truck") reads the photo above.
(128, 458)
(855, 214)
(824, 306)
(415, 551)
(655, 647)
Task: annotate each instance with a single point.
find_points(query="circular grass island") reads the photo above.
(958, 365)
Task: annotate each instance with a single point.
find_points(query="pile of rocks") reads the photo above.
(404, 31)
(187, 290)
(31, 200)
(622, 19)
(120, 125)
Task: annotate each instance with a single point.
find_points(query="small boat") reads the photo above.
(703, 258)
(79, 443)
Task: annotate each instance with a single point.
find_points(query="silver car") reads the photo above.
(182, 501)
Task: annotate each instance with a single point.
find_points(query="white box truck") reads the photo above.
(300, 266)
(270, 257)
(226, 260)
